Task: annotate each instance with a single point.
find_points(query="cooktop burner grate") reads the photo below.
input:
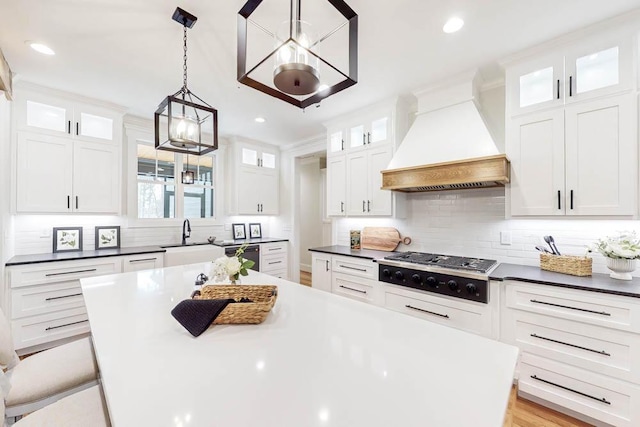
(445, 261)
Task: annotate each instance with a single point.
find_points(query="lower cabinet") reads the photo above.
(142, 262)
(354, 287)
(321, 271)
(274, 259)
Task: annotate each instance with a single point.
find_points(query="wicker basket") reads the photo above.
(263, 297)
(567, 264)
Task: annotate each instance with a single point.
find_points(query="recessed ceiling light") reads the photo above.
(41, 48)
(260, 119)
(453, 24)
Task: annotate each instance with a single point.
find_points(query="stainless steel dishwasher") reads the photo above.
(251, 252)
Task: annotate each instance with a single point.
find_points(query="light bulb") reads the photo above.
(285, 54)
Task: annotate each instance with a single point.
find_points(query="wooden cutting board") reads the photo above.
(380, 238)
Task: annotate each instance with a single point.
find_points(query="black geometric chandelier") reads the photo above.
(183, 122)
(292, 69)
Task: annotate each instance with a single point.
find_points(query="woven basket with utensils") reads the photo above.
(567, 264)
(262, 297)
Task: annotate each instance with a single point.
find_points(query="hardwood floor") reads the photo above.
(305, 278)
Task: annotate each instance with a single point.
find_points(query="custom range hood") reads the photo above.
(448, 146)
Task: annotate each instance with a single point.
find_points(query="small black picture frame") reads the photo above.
(255, 231)
(239, 232)
(107, 237)
(67, 239)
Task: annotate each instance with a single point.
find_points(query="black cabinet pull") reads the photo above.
(570, 345)
(69, 127)
(274, 249)
(602, 400)
(64, 296)
(66, 324)
(558, 90)
(76, 202)
(570, 85)
(368, 137)
(132, 261)
(326, 267)
(353, 268)
(363, 206)
(559, 199)
(352, 289)
(342, 147)
(77, 128)
(275, 262)
(364, 139)
(70, 272)
(68, 202)
(571, 197)
(446, 316)
(261, 207)
(368, 206)
(341, 206)
(602, 313)
(258, 208)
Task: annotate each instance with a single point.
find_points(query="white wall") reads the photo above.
(310, 210)
(6, 229)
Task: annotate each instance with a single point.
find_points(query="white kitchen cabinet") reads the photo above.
(585, 70)
(336, 185)
(274, 259)
(258, 157)
(142, 262)
(59, 175)
(321, 271)
(373, 129)
(576, 160)
(364, 179)
(336, 141)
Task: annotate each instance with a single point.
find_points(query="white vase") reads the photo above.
(621, 268)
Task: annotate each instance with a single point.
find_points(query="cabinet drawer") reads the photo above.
(596, 396)
(273, 248)
(456, 314)
(142, 262)
(34, 330)
(350, 287)
(597, 349)
(55, 272)
(280, 274)
(40, 299)
(582, 306)
(355, 267)
(273, 263)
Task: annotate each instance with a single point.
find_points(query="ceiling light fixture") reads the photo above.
(295, 59)
(260, 119)
(188, 176)
(453, 24)
(184, 122)
(41, 48)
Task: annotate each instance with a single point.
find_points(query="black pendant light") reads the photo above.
(188, 176)
(183, 122)
(297, 76)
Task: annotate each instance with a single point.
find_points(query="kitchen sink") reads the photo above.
(191, 253)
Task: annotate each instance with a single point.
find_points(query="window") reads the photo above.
(159, 191)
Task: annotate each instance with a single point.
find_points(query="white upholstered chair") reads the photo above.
(44, 377)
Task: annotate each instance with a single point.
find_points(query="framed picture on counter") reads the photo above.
(67, 239)
(108, 237)
(255, 231)
(239, 232)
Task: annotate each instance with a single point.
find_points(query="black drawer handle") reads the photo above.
(275, 262)
(570, 345)
(446, 316)
(352, 289)
(142, 260)
(353, 268)
(274, 249)
(64, 296)
(70, 272)
(602, 313)
(603, 400)
(66, 324)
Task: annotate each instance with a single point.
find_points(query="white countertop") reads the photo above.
(318, 360)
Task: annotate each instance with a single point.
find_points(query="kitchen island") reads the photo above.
(317, 360)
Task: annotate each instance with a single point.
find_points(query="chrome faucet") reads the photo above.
(186, 233)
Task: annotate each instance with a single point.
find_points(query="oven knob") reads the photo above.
(386, 272)
(431, 281)
(399, 275)
(416, 278)
(452, 285)
(472, 289)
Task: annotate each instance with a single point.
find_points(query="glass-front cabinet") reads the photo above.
(536, 84)
(258, 157)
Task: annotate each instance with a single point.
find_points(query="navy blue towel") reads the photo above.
(197, 314)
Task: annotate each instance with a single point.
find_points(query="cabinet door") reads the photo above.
(44, 114)
(601, 150)
(335, 142)
(379, 201)
(336, 186)
(249, 156)
(380, 130)
(357, 137)
(142, 262)
(95, 178)
(44, 173)
(248, 191)
(321, 272)
(536, 151)
(536, 84)
(268, 194)
(269, 161)
(357, 183)
(96, 124)
(596, 69)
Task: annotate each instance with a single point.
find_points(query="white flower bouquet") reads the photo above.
(624, 245)
(232, 267)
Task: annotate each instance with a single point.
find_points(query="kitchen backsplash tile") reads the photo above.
(469, 222)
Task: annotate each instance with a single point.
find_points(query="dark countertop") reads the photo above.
(596, 283)
(347, 251)
(250, 241)
(74, 256)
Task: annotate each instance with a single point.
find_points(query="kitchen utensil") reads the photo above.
(542, 249)
(380, 238)
(552, 244)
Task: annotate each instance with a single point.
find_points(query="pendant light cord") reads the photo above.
(184, 66)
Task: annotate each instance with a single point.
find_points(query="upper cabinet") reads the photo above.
(587, 70)
(67, 154)
(360, 133)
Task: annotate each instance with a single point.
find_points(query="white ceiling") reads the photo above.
(129, 52)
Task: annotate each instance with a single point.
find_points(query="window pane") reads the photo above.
(597, 70)
(536, 87)
(205, 171)
(155, 200)
(46, 116)
(96, 126)
(198, 202)
(165, 168)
